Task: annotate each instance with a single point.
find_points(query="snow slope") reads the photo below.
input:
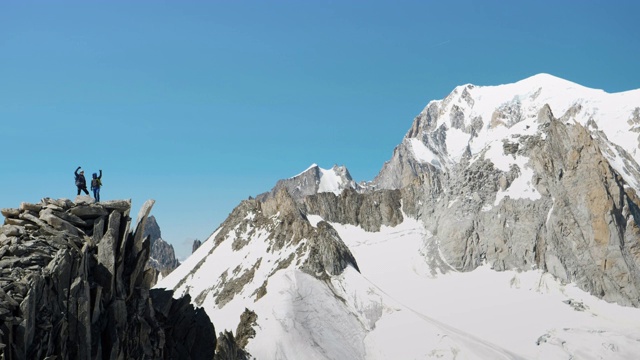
(398, 307)
(509, 111)
(407, 302)
(526, 313)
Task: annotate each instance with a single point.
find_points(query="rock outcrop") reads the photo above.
(313, 180)
(560, 206)
(319, 251)
(196, 244)
(73, 285)
(163, 256)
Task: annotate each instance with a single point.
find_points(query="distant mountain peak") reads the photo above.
(315, 180)
(162, 256)
(471, 120)
(547, 80)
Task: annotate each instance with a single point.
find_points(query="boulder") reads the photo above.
(10, 213)
(88, 211)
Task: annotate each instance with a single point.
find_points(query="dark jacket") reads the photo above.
(81, 182)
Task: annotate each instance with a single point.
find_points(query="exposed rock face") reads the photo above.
(581, 230)
(196, 244)
(152, 229)
(577, 215)
(190, 333)
(232, 347)
(317, 250)
(73, 285)
(228, 349)
(162, 257)
(312, 181)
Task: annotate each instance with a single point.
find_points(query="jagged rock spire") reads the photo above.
(73, 285)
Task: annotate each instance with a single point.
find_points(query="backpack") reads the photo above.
(95, 183)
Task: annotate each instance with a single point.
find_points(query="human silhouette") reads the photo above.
(81, 182)
(96, 183)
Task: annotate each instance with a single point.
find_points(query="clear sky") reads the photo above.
(200, 104)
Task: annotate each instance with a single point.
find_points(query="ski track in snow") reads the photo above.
(484, 349)
(497, 314)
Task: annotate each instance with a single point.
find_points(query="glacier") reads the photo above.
(471, 243)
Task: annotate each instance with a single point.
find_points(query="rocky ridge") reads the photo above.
(312, 181)
(551, 193)
(521, 181)
(162, 256)
(73, 285)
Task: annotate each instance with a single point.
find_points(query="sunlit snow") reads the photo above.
(510, 309)
(422, 153)
(522, 101)
(330, 182)
(399, 306)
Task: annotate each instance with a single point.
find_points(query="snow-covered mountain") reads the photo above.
(504, 226)
(474, 121)
(314, 180)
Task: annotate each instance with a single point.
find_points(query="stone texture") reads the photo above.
(583, 229)
(73, 286)
(228, 349)
(187, 332)
(308, 183)
(327, 254)
(196, 244)
(163, 257)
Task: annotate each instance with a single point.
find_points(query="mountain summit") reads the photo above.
(505, 225)
(74, 285)
(314, 180)
(473, 120)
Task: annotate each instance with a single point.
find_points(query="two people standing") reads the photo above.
(81, 183)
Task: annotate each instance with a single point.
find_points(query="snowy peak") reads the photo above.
(505, 105)
(335, 180)
(519, 194)
(474, 120)
(315, 180)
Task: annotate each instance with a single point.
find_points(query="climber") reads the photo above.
(96, 183)
(81, 183)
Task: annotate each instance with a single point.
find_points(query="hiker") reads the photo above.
(81, 182)
(96, 183)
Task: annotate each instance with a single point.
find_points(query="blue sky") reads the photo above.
(200, 104)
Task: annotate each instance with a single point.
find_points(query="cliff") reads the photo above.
(73, 285)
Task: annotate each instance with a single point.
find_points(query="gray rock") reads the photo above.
(57, 223)
(228, 348)
(73, 297)
(30, 207)
(10, 213)
(88, 211)
(162, 257)
(120, 205)
(64, 204)
(107, 253)
(308, 183)
(196, 244)
(84, 200)
(328, 255)
(12, 230)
